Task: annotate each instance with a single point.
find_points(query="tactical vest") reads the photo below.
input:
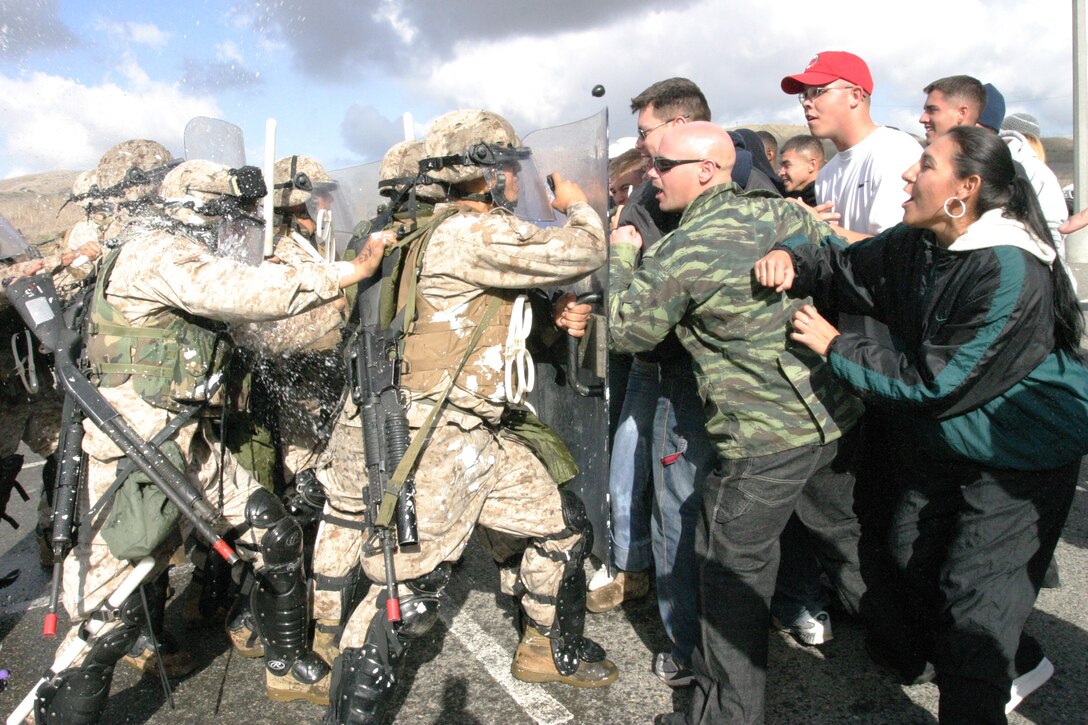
(171, 360)
(431, 348)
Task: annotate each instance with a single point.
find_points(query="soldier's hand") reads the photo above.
(775, 270)
(369, 258)
(567, 193)
(626, 234)
(571, 316)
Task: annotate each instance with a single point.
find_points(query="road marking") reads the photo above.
(35, 464)
(537, 704)
(19, 607)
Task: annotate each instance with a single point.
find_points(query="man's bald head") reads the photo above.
(709, 155)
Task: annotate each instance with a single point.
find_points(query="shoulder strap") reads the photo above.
(408, 462)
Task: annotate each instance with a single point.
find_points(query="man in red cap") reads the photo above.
(863, 181)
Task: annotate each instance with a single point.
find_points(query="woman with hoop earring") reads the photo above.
(987, 377)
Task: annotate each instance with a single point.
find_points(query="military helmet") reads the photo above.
(140, 154)
(194, 190)
(295, 178)
(400, 166)
(481, 138)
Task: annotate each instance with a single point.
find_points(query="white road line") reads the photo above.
(35, 464)
(537, 704)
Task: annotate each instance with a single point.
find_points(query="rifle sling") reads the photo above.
(393, 486)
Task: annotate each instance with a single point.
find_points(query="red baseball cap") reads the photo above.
(828, 66)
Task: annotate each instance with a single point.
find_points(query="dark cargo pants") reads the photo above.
(746, 504)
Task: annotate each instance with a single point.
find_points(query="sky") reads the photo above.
(77, 77)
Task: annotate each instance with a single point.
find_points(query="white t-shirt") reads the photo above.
(866, 180)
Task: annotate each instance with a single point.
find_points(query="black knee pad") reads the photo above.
(419, 610)
(281, 542)
(575, 517)
(363, 678)
(79, 695)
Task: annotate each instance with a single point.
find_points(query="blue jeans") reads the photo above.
(629, 470)
(683, 457)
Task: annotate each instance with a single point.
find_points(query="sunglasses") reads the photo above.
(664, 165)
(644, 132)
(813, 92)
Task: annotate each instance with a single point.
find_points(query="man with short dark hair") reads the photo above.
(800, 161)
(950, 102)
(863, 180)
(770, 145)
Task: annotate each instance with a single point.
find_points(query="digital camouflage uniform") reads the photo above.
(158, 272)
(775, 415)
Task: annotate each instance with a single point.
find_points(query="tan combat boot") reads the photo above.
(177, 662)
(626, 586)
(326, 636)
(533, 663)
(243, 637)
(292, 686)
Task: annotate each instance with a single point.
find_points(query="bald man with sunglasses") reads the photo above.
(775, 416)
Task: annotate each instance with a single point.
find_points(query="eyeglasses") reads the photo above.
(664, 165)
(813, 92)
(644, 132)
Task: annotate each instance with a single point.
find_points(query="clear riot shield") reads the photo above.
(12, 243)
(355, 199)
(570, 393)
(214, 139)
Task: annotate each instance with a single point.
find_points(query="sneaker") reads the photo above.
(813, 629)
(626, 586)
(671, 673)
(1028, 683)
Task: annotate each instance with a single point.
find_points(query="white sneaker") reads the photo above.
(812, 630)
(1028, 683)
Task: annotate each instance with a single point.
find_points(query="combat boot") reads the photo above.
(177, 662)
(242, 631)
(627, 585)
(307, 679)
(326, 636)
(533, 662)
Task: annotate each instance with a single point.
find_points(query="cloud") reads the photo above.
(209, 76)
(51, 122)
(368, 133)
(28, 26)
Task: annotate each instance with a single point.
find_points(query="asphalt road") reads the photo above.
(460, 673)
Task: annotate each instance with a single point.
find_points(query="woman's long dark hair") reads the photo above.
(981, 152)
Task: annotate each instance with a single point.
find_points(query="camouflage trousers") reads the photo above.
(470, 480)
(342, 473)
(91, 572)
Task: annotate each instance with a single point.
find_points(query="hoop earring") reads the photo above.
(963, 207)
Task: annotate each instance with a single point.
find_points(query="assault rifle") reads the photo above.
(35, 298)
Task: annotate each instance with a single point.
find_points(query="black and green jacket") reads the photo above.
(973, 367)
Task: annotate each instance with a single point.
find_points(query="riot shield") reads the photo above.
(571, 396)
(355, 199)
(214, 139)
(12, 243)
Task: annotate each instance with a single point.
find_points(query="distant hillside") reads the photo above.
(33, 205)
(1059, 151)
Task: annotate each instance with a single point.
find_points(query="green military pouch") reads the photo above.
(544, 442)
(141, 516)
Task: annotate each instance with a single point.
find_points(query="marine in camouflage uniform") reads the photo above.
(165, 276)
(473, 474)
(775, 414)
(337, 581)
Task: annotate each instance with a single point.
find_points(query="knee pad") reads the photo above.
(281, 542)
(79, 695)
(575, 517)
(419, 610)
(363, 678)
